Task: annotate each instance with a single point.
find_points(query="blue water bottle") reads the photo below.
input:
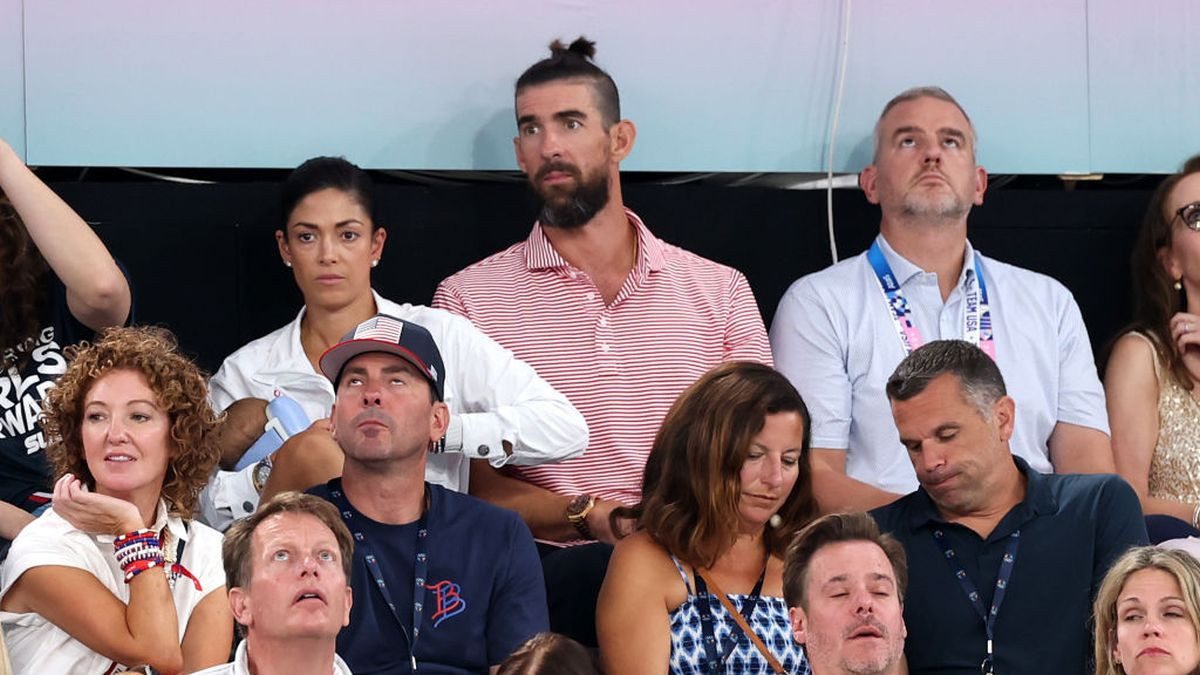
(285, 418)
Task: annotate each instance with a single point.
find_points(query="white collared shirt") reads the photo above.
(241, 665)
(835, 339)
(37, 646)
(492, 395)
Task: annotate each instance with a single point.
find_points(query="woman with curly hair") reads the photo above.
(699, 587)
(1150, 381)
(57, 284)
(115, 575)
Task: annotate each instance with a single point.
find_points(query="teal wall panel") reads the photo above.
(1145, 84)
(1053, 87)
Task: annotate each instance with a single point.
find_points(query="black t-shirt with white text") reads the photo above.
(23, 386)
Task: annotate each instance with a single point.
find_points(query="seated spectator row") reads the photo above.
(593, 385)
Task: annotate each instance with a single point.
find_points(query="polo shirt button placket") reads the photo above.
(604, 341)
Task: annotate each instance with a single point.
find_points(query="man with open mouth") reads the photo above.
(288, 567)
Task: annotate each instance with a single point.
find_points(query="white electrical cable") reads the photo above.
(833, 125)
(169, 179)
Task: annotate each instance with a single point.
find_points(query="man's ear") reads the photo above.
(517, 153)
(621, 136)
(239, 604)
(349, 603)
(439, 421)
(799, 624)
(866, 181)
(1004, 411)
(981, 181)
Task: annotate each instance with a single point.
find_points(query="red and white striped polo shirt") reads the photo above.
(621, 365)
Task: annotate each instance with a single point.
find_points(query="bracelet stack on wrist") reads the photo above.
(137, 552)
(1196, 518)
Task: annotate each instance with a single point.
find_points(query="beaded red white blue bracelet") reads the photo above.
(137, 552)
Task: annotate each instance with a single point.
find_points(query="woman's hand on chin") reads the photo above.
(88, 511)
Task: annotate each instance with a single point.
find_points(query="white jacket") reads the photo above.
(493, 396)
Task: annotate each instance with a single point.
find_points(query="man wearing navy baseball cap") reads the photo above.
(440, 578)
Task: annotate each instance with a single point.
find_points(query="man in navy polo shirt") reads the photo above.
(986, 536)
(443, 582)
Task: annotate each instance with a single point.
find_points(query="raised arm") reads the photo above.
(97, 292)
(143, 632)
(632, 621)
(55, 586)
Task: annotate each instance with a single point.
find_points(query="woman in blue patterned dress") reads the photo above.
(726, 485)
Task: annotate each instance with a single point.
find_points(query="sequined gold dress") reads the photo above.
(1175, 466)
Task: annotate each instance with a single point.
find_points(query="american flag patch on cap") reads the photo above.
(379, 328)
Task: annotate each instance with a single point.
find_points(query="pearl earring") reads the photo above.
(374, 263)
(775, 520)
(287, 263)
(1179, 284)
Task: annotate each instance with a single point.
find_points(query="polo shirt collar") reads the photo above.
(1039, 500)
(905, 269)
(540, 254)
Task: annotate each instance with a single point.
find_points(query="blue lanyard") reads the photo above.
(977, 314)
(715, 658)
(1002, 578)
(420, 571)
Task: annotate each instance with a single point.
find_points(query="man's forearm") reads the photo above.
(243, 424)
(545, 512)
(837, 492)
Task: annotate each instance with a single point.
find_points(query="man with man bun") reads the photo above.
(613, 317)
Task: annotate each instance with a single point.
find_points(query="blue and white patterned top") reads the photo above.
(769, 621)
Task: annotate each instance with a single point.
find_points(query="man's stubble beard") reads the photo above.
(945, 207)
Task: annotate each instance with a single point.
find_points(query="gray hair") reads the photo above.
(912, 94)
(978, 376)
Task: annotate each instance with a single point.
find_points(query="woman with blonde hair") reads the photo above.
(1147, 614)
(699, 587)
(116, 576)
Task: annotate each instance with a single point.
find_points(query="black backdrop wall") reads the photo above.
(204, 263)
